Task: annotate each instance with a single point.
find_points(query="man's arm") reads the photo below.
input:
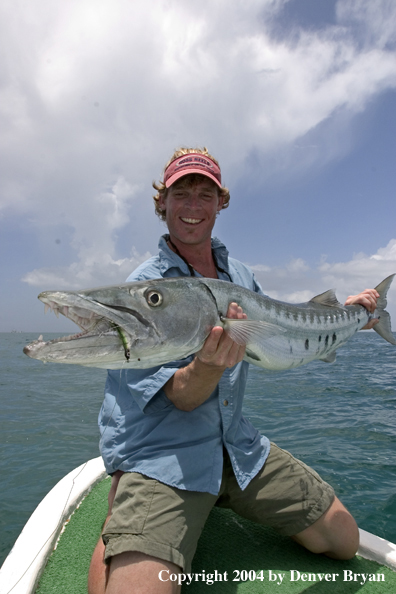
(368, 299)
(192, 385)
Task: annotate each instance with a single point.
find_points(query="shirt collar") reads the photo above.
(168, 259)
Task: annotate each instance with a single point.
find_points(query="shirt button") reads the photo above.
(225, 402)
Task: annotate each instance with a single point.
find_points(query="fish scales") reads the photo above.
(149, 323)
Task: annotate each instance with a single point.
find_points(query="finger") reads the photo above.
(366, 302)
(367, 298)
(236, 354)
(370, 324)
(373, 292)
(233, 310)
(227, 351)
(371, 302)
(211, 344)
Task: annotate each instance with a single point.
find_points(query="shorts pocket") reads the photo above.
(131, 504)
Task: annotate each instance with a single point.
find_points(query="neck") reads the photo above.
(200, 258)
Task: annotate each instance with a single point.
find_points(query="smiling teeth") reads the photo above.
(194, 221)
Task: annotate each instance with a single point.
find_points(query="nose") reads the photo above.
(194, 200)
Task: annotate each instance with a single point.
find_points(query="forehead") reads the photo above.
(193, 180)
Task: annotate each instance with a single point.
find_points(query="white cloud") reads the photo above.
(297, 283)
(362, 271)
(87, 89)
(87, 272)
(376, 19)
(99, 218)
(95, 95)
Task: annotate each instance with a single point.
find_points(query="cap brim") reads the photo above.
(185, 172)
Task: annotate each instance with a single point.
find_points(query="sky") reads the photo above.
(295, 98)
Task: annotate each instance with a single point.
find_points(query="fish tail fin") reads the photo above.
(383, 327)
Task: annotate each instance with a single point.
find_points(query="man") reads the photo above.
(174, 438)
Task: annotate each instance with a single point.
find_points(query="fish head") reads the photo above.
(133, 325)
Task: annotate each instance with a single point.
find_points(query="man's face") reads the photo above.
(191, 209)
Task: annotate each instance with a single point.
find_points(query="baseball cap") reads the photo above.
(192, 163)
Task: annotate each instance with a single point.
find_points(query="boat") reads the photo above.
(53, 551)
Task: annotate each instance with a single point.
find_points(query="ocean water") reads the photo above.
(340, 419)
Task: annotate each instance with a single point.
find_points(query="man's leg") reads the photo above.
(335, 533)
(128, 568)
(292, 498)
(98, 569)
(137, 573)
(163, 527)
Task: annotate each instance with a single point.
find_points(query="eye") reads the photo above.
(154, 298)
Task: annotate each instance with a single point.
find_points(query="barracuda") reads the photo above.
(149, 323)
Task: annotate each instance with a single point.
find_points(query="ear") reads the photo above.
(220, 202)
(162, 200)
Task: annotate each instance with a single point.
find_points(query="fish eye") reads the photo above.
(154, 298)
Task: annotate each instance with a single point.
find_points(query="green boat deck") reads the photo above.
(233, 556)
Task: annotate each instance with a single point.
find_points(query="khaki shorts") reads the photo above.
(165, 522)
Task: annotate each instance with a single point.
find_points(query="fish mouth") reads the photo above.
(101, 329)
(92, 317)
(89, 321)
(84, 318)
(114, 325)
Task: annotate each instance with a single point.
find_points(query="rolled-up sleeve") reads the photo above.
(146, 385)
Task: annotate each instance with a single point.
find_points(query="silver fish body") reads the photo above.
(149, 323)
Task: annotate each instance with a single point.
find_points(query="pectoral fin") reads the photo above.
(329, 358)
(245, 332)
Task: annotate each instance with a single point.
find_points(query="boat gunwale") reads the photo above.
(45, 526)
(48, 519)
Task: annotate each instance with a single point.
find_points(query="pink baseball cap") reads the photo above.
(192, 163)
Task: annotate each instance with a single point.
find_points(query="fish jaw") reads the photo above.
(99, 342)
(92, 350)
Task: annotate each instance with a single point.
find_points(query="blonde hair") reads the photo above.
(192, 178)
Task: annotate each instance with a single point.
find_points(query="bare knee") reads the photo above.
(136, 573)
(334, 534)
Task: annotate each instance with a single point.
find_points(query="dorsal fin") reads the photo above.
(327, 298)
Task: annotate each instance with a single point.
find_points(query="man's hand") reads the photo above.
(190, 386)
(367, 298)
(219, 349)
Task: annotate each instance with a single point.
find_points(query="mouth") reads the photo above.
(191, 221)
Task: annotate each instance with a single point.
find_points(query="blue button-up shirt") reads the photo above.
(141, 429)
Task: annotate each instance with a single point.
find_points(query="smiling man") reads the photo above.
(174, 438)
